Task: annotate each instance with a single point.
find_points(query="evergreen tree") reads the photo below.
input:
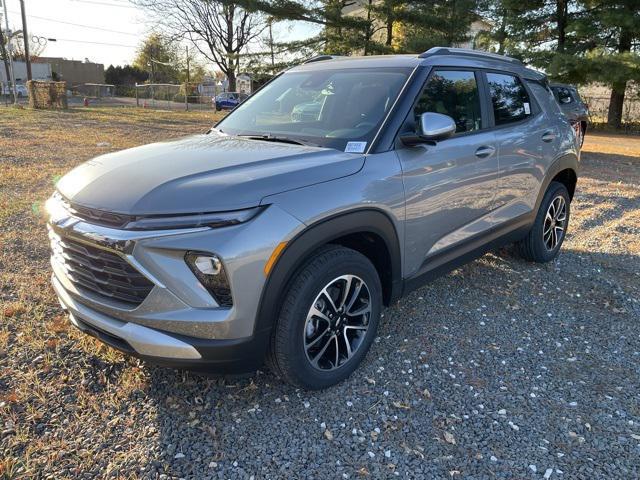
(503, 16)
(612, 30)
(127, 75)
(430, 23)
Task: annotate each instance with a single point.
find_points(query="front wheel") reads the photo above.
(545, 238)
(328, 319)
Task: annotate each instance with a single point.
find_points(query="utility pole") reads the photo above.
(186, 87)
(25, 37)
(188, 76)
(13, 77)
(273, 57)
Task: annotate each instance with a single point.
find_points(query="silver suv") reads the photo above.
(278, 236)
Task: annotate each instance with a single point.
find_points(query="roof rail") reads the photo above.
(466, 52)
(321, 58)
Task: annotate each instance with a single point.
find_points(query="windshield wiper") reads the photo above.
(273, 138)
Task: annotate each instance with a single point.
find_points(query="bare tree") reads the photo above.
(35, 48)
(221, 31)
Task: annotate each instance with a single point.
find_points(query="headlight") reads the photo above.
(55, 208)
(214, 220)
(209, 270)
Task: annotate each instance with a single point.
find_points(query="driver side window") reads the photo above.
(453, 93)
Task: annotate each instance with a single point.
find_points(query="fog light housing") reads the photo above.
(210, 272)
(208, 265)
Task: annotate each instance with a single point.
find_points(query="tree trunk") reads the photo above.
(367, 34)
(231, 54)
(231, 78)
(5, 57)
(561, 19)
(616, 101)
(502, 33)
(390, 18)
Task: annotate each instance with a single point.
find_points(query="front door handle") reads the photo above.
(548, 137)
(485, 151)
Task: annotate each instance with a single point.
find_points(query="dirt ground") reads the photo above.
(72, 408)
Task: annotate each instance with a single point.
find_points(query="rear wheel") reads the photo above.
(328, 319)
(545, 238)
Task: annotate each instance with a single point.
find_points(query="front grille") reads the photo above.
(99, 271)
(96, 217)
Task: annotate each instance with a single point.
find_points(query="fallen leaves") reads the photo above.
(449, 438)
(402, 405)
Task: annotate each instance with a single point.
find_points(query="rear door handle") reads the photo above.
(485, 151)
(548, 137)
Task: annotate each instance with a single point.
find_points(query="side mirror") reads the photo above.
(431, 127)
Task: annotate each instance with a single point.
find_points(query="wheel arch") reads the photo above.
(364, 230)
(563, 170)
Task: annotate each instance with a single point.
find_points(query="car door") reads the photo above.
(228, 101)
(449, 184)
(525, 138)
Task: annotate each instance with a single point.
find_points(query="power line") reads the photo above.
(80, 25)
(105, 3)
(95, 43)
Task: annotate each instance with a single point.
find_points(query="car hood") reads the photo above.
(202, 173)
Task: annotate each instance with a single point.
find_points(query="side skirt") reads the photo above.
(452, 258)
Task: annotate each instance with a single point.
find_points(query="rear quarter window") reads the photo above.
(509, 97)
(563, 95)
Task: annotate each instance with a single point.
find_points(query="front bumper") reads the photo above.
(162, 348)
(179, 324)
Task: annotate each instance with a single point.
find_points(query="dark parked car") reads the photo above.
(573, 107)
(229, 100)
(268, 238)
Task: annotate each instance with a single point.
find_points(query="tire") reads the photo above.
(296, 352)
(539, 245)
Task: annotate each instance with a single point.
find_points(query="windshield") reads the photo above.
(337, 108)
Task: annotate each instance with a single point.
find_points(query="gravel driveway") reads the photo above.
(501, 369)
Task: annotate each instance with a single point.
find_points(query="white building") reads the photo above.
(39, 71)
(243, 83)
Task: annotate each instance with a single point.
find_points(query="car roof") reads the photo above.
(437, 56)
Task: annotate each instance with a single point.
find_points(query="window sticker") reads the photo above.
(527, 108)
(355, 147)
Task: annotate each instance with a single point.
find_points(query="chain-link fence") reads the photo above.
(6, 93)
(175, 96)
(94, 90)
(599, 110)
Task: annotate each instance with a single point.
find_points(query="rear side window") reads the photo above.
(454, 93)
(509, 98)
(562, 94)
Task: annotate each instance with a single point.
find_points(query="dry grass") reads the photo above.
(36, 148)
(54, 381)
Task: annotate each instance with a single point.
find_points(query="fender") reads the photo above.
(568, 161)
(313, 237)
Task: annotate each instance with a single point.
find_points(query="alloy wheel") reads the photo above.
(555, 223)
(337, 322)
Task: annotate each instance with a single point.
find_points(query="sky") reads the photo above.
(104, 31)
